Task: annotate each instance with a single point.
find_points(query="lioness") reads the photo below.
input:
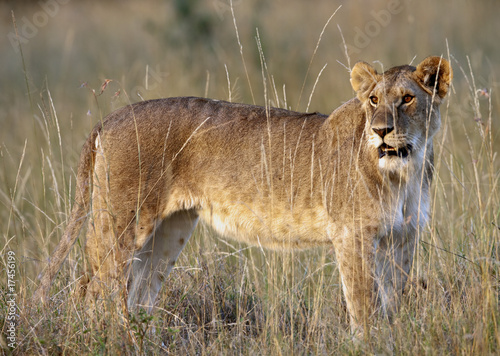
(357, 180)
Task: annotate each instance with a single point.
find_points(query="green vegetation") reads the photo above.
(225, 297)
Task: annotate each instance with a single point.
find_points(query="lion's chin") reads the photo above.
(393, 164)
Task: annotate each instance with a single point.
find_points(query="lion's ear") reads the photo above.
(434, 73)
(363, 79)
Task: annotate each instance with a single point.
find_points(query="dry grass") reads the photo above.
(224, 297)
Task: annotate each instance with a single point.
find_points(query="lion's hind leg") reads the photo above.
(109, 247)
(110, 238)
(154, 261)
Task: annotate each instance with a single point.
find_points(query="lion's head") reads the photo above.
(402, 108)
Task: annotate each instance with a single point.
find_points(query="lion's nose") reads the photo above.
(382, 131)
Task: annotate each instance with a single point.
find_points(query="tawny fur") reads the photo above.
(357, 180)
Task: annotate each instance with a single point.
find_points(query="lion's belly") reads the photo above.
(265, 225)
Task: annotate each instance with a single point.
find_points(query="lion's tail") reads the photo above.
(77, 217)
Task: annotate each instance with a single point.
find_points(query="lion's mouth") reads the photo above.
(386, 150)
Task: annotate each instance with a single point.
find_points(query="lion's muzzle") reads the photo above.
(390, 143)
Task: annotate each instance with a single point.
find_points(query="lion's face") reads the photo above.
(402, 108)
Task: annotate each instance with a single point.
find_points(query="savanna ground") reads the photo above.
(224, 297)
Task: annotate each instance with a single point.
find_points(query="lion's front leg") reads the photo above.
(393, 259)
(354, 253)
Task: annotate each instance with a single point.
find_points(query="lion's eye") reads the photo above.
(374, 100)
(407, 98)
